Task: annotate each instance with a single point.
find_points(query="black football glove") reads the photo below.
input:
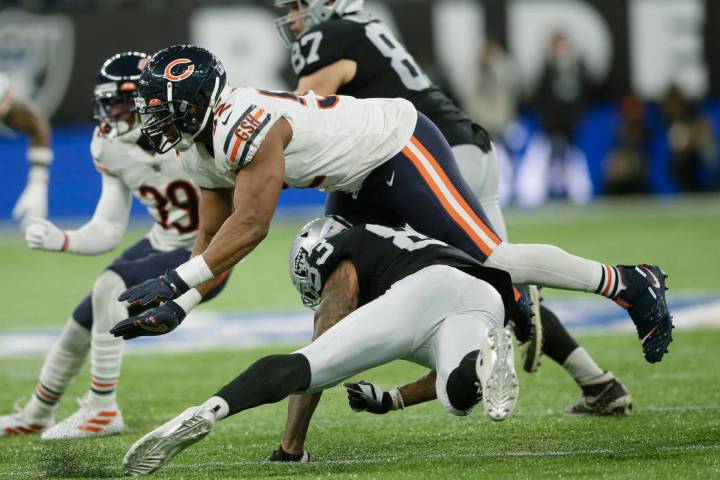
(280, 455)
(160, 289)
(365, 396)
(157, 321)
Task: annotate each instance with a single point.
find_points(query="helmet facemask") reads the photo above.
(174, 124)
(310, 12)
(115, 111)
(306, 279)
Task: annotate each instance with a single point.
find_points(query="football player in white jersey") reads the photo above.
(22, 116)
(128, 167)
(248, 144)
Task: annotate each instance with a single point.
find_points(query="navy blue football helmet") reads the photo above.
(114, 96)
(176, 95)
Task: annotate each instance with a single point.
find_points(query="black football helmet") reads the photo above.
(176, 95)
(114, 97)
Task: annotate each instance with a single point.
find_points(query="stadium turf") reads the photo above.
(674, 431)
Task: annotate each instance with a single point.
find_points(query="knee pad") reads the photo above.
(461, 388)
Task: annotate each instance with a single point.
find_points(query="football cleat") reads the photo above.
(495, 368)
(159, 446)
(644, 299)
(19, 423)
(609, 397)
(280, 455)
(89, 421)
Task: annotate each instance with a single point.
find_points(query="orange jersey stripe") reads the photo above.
(488, 231)
(448, 208)
(239, 141)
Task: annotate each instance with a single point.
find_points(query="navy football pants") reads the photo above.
(421, 186)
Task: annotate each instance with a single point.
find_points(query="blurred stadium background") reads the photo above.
(617, 160)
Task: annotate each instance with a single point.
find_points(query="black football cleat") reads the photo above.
(608, 397)
(527, 326)
(644, 299)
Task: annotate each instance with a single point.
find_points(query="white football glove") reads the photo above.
(33, 201)
(44, 235)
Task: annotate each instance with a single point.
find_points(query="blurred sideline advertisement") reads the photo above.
(642, 118)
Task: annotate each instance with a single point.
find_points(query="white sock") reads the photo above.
(546, 265)
(62, 364)
(106, 350)
(219, 407)
(611, 281)
(581, 367)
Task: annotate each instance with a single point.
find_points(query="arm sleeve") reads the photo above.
(107, 226)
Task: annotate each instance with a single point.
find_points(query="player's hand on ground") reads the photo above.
(280, 455)
(365, 396)
(162, 288)
(44, 235)
(32, 202)
(157, 321)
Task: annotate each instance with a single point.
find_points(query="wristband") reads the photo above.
(42, 156)
(66, 242)
(188, 300)
(194, 272)
(397, 399)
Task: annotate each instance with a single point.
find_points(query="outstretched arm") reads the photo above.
(256, 191)
(339, 299)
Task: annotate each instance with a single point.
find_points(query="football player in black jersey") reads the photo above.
(336, 48)
(416, 298)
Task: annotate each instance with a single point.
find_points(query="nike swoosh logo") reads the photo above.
(391, 181)
(593, 401)
(655, 281)
(224, 122)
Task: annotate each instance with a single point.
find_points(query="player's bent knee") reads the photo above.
(461, 389)
(108, 283)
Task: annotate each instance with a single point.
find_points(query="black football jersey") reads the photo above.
(384, 255)
(385, 69)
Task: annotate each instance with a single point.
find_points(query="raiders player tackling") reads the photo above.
(415, 298)
(336, 48)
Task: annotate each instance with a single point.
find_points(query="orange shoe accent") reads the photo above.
(11, 431)
(88, 428)
(99, 421)
(36, 426)
(108, 413)
(623, 303)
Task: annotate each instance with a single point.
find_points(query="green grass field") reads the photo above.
(674, 431)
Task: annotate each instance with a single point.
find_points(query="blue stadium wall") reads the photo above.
(75, 185)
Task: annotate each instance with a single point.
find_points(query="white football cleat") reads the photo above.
(495, 367)
(88, 422)
(159, 446)
(19, 423)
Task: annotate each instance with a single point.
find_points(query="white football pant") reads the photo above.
(433, 317)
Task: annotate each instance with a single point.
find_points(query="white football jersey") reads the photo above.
(337, 141)
(5, 95)
(160, 183)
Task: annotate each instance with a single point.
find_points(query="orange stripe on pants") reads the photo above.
(486, 249)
